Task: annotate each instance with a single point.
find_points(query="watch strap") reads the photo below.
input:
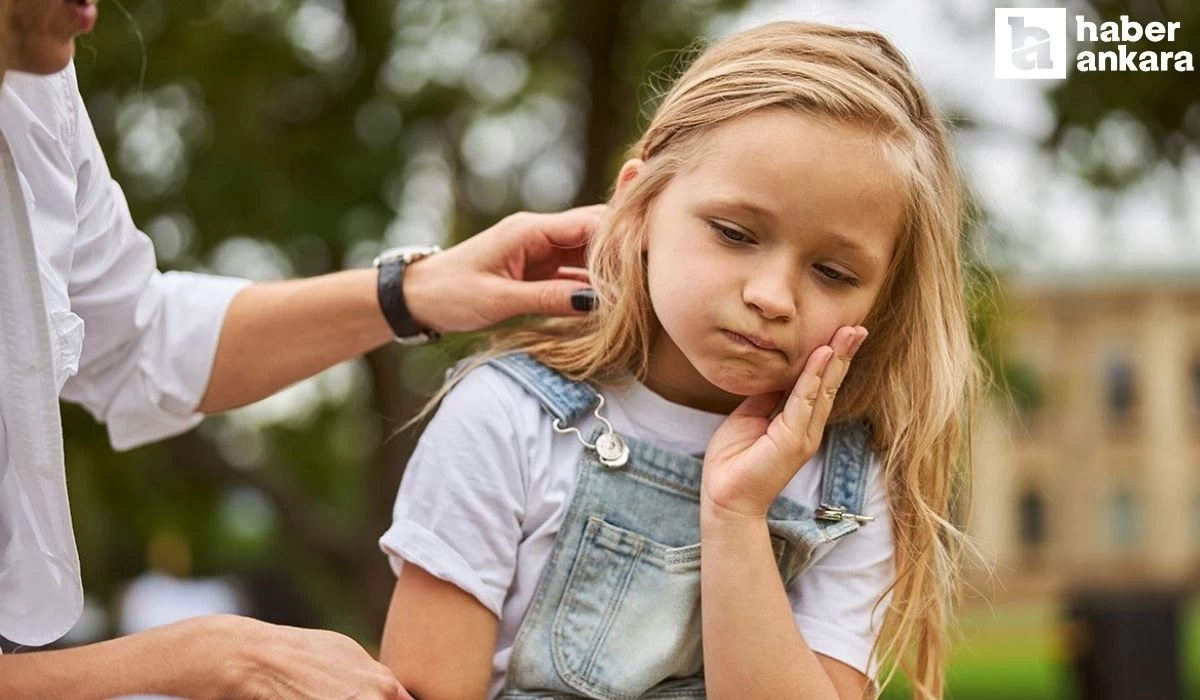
(395, 309)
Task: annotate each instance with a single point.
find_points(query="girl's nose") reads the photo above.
(770, 294)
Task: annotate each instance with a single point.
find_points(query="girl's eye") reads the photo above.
(835, 276)
(729, 234)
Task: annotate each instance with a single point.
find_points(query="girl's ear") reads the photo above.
(629, 172)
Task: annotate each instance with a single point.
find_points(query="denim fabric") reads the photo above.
(616, 613)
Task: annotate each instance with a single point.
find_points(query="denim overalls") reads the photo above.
(616, 613)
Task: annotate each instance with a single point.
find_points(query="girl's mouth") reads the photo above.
(751, 342)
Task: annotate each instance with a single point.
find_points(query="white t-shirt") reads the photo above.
(488, 487)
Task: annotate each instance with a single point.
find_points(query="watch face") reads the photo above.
(406, 253)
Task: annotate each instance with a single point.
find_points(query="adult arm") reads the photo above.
(220, 656)
(510, 269)
(162, 349)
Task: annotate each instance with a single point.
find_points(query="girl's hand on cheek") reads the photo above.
(752, 456)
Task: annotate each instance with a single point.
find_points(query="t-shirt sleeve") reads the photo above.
(834, 600)
(461, 503)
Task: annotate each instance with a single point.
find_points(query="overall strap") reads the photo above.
(563, 398)
(847, 466)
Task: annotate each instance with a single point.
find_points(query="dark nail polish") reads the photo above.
(583, 300)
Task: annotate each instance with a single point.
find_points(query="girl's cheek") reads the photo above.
(789, 382)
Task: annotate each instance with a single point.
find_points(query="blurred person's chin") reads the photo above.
(41, 33)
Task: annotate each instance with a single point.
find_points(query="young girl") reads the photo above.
(793, 189)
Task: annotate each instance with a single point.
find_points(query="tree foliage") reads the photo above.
(1117, 127)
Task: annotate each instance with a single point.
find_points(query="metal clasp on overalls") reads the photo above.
(609, 447)
(838, 514)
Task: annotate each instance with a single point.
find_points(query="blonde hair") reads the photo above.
(915, 378)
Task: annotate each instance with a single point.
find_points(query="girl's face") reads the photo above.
(41, 33)
(778, 234)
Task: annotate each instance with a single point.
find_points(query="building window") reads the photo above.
(1125, 518)
(1121, 395)
(1032, 518)
(1196, 386)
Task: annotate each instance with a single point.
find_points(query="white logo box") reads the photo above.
(1031, 43)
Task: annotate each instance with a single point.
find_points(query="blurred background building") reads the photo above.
(1090, 473)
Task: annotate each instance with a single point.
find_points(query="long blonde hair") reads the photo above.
(915, 378)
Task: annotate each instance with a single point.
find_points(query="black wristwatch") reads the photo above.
(391, 264)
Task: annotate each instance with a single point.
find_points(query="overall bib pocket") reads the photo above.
(630, 614)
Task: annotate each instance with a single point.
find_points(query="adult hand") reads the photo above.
(257, 660)
(752, 457)
(526, 264)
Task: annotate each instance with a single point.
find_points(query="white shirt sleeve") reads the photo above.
(150, 338)
(461, 503)
(834, 599)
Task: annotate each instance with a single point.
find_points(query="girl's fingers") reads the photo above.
(797, 412)
(845, 343)
(811, 400)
